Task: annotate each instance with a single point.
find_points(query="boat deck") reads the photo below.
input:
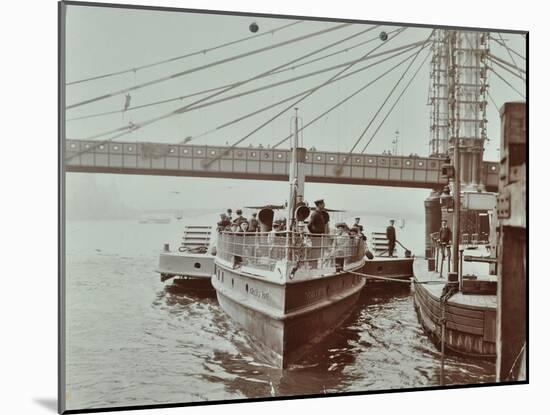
(478, 301)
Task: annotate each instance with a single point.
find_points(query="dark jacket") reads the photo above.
(358, 227)
(254, 225)
(239, 219)
(390, 233)
(316, 223)
(445, 235)
(223, 224)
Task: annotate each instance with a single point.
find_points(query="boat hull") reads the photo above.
(397, 268)
(286, 319)
(199, 266)
(470, 321)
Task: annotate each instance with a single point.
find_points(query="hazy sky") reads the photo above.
(103, 40)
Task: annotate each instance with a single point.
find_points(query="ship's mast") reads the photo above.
(293, 177)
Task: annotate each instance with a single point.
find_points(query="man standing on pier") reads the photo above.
(445, 238)
(390, 234)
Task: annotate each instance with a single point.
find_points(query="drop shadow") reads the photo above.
(48, 403)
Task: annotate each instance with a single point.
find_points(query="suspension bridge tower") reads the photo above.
(458, 101)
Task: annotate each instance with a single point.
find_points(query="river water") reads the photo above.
(132, 340)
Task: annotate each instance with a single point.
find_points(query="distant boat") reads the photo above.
(154, 220)
(382, 265)
(192, 264)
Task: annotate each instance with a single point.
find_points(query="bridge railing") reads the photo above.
(258, 163)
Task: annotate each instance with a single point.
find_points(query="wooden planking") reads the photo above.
(490, 327)
(436, 308)
(453, 322)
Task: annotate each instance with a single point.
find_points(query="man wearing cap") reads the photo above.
(239, 219)
(316, 223)
(316, 227)
(254, 225)
(228, 214)
(359, 229)
(445, 239)
(341, 245)
(224, 222)
(390, 234)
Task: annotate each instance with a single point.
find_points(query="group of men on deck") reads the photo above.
(317, 225)
(239, 224)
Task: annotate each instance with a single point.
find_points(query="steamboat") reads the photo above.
(288, 288)
(192, 264)
(383, 267)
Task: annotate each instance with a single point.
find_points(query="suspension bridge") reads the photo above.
(104, 151)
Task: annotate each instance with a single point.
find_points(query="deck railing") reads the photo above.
(263, 250)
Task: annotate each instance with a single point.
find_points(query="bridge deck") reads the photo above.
(258, 163)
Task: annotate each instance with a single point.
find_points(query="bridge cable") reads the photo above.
(132, 127)
(511, 57)
(179, 98)
(302, 93)
(210, 161)
(346, 98)
(493, 101)
(403, 49)
(188, 55)
(208, 65)
(395, 103)
(505, 62)
(506, 82)
(340, 166)
(506, 46)
(193, 105)
(506, 69)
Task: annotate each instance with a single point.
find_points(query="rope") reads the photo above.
(510, 373)
(199, 52)
(207, 66)
(378, 277)
(402, 246)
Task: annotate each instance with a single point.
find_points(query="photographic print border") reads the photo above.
(61, 205)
